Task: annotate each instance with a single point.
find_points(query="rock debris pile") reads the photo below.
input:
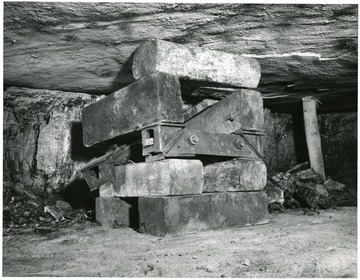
(302, 187)
(26, 212)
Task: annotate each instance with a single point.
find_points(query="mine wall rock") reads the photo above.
(279, 141)
(43, 137)
(339, 145)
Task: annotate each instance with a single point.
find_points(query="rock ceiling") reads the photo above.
(86, 47)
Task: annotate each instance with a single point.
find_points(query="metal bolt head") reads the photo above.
(193, 139)
(239, 143)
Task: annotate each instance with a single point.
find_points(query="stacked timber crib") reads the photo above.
(173, 167)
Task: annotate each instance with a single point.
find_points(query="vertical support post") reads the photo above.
(312, 133)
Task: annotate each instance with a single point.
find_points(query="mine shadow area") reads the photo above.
(295, 243)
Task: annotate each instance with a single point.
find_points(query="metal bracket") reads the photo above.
(166, 140)
(243, 131)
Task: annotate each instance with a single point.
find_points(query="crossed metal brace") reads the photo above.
(163, 140)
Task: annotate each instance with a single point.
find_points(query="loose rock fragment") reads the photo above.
(55, 213)
(308, 175)
(309, 197)
(63, 205)
(332, 185)
(274, 193)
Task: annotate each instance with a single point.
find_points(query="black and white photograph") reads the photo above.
(180, 139)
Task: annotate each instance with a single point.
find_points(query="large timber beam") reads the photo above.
(195, 63)
(155, 98)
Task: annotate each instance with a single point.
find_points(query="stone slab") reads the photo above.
(235, 175)
(158, 178)
(175, 215)
(155, 98)
(114, 212)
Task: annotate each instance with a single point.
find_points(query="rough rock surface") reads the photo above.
(339, 134)
(86, 47)
(279, 142)
(42, 136)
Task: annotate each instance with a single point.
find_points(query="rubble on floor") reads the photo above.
(302, 187)
(26, 212)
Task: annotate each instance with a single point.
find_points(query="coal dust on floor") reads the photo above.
(295, 244)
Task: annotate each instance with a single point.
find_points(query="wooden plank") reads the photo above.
(235, 175)
(154, 98)
(242, 109)
(166, 177)
(194, 63)
(175, 215)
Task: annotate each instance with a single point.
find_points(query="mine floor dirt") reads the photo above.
(295, 243)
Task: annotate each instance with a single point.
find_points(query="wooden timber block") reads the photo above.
(192, 213)
(312, 133)
(114, 212)
(194, 63)
(235, 175)
(158, 178)
(242, 109)
(154, 98)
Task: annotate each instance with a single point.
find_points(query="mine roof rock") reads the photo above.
(87, 47)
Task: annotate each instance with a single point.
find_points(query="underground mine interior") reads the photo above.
(179, 140)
